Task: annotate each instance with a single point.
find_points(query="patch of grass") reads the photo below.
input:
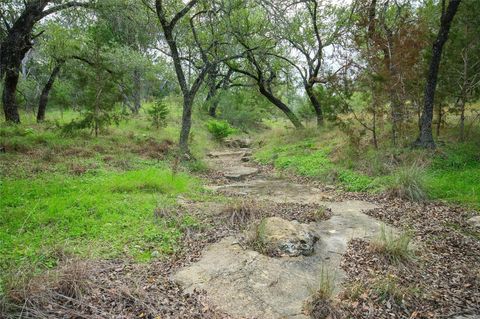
(306, 159)
(320, 305)
(107, 214)
(408, 183)
(396, 248)
(389, 288)
(240, 212)
(319, 214)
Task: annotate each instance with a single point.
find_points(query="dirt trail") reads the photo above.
(247, 284)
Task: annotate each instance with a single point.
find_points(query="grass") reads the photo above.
(308, 159)
(320, 305)
(107, 215)
(451, 173)
(395, 247)
(408, 183)
(91, 197)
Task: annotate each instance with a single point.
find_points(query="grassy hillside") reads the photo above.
(451, 173)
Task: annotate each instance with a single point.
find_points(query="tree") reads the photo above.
(425, 139)
(19, 40)
(459, 81)
(262, 62)
(201, 46)
(316, 25)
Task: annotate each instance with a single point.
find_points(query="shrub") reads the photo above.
(219, 129)
(396, 248)
(158, 114)
(408, 183)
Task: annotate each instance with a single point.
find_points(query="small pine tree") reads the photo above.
(158, 114)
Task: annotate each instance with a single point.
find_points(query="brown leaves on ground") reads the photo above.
(90, 289)
(442, 280)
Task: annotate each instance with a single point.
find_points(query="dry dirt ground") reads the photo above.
(441, 280)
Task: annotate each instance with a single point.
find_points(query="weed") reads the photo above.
(408, 183)
(389, 288)
(396, 248)
(240, 213)
(158, 114)
(320, 305)
(319, 214)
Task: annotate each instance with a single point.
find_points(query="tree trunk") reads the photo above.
(42, 105)
(137, 91)
(440, 119)
(278, 103)
(425, 139)
(211, 99)
(315, 103)
(13, 49)
(462, 121)
(10, 106)
(186, 124)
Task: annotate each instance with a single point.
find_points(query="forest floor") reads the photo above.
(89, 234)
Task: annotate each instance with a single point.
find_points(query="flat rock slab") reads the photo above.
(240, 172)
(221, 154)
(277, 190)
(245, 283)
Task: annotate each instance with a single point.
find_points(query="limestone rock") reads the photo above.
(239, 142)
(286, 238)
(240, 172)
(475, 221)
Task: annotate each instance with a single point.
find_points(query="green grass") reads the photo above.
(93, 197)
(107, 215)
(307, 159)
(452, 173)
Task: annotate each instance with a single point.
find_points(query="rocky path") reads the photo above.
(248, 284)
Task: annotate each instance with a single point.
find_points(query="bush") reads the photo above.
(219, 129)
(408, 183)
(158, 114)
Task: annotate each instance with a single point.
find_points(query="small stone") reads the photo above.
(475, 221)
(240, 172)
(239, 142)
(155, 254)
(286, 238)
(246, 159)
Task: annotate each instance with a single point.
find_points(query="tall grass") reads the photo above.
(408, 183)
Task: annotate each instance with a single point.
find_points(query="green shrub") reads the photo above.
(219, 129)
(408, 183)
(158, 114)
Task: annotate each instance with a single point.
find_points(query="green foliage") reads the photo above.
(409, 183)
(243, 109)
(306, 159)
(158, 114)
(95, 120)
(108, 214)
(219, 129)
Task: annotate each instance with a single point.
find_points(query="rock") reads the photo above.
(475, 221)
(244, 142)
(246, 284)
(225, 154)
(155, 254)
(286, 238)
(246, 159)
(240, 172)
